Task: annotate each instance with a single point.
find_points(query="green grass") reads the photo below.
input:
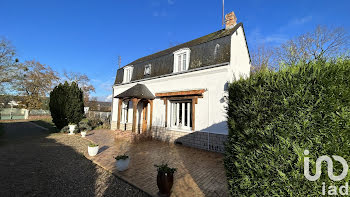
(47, 123)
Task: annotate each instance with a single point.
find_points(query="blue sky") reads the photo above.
(87, 36)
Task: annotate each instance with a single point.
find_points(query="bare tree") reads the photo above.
(262, 58)
(10, 68)
(83, 82)
(323, 43)
(37, 82)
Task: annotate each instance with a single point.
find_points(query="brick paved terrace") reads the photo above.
(199, 172)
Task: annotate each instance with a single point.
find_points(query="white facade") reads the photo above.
(210, 112)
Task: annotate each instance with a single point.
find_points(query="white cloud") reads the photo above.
(301, 21)
(160, 13)
(257, 38)
(109, 98)
(275, 38)
(292, 24)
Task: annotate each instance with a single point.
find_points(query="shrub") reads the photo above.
(57, 104)
(66, 104)
(84, 126)
(164, 168)
(75, 104)
(93, 145)
(95, 122)
(65, 129)
(274, 116)
(121, 157)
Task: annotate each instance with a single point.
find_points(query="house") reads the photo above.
(98, 109)
(179, 94)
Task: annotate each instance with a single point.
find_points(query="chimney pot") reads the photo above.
(230, 20)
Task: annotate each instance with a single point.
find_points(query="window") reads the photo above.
(125, 109)
(181, 115)
(127, 74)
(147, 70)
(181, 59)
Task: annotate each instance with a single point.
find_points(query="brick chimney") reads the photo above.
(231, 20)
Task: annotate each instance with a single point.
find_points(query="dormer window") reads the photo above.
(181, 60)
(127, 74)
(147, 70)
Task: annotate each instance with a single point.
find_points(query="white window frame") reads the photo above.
(148, 68)
(127, 74)
(174, 115)
(125, 110)
(179, 58)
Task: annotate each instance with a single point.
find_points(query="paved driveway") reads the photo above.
(34, 163)
(199, 173)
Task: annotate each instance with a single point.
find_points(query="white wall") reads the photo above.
(210, 112)
(240, 62)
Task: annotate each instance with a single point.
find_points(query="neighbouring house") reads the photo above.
(179, 94)
(97, 106)
(98, 109)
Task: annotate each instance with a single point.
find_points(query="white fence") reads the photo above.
(99, 115)
(13, 114)
(39, 112)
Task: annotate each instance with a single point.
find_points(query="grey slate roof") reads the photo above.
(208, 50)
(139, 91)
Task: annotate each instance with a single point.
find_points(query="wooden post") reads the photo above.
(151, 115)
(119, 112)
(135, 101)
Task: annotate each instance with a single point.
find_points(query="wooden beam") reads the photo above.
(135, 101)
(181, 93)
(183, 98)
(144, 117)
(120, 101)
(151, 115)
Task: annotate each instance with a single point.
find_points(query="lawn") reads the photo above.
(47, 123)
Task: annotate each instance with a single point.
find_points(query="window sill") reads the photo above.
(187, 130)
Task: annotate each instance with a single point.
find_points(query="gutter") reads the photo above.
(177, 73)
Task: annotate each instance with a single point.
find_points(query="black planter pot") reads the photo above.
(165, 183)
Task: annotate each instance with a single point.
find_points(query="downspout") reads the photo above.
(208, 115)
(112, 106)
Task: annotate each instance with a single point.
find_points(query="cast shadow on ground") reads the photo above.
(31, 164)
(103, 148)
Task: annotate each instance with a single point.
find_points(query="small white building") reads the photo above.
(179, 94)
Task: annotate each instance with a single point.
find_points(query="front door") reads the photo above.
(144, 116)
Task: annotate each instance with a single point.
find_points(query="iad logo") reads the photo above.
(330, 167)
(332, 190)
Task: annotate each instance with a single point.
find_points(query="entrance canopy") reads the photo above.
(139, 91)
(135, 94)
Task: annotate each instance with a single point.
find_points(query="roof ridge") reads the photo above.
(212, 36)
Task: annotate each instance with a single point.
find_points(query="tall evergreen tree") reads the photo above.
(58, 101)
(66, 104)
(75, 104)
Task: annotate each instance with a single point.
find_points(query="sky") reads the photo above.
(87, 36)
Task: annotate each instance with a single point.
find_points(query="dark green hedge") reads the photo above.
(274, 116)
(66, 104)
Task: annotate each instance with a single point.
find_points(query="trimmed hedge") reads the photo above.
(274, 116)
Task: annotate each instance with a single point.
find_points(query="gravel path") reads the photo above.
(35, 163)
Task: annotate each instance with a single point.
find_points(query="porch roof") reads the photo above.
(139, 91)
